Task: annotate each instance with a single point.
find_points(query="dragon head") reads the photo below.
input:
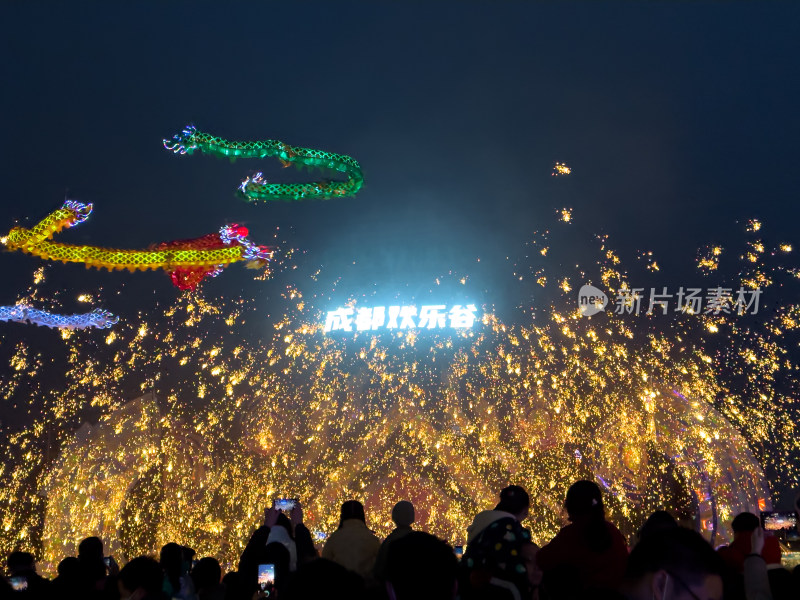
(102, 319)
(183, 142)
(237, 234)
(251, 181)
(79, 209)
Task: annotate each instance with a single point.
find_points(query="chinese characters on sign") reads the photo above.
(429, 316)
(711, 301)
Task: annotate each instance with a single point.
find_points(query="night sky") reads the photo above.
(678, 119)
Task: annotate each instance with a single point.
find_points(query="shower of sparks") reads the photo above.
(708, 259)
(561, 169)
(195, 428)
(650, 261)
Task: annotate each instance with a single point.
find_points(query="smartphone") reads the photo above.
(284, 504)
(107, 560)
(266, 577)
(19, 583)
(459, 551)
(780, 524)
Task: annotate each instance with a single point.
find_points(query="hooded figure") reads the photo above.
(281, 533)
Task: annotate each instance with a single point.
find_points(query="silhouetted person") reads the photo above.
(352, 545)
(323, 578)
(207, 578)
(233, 585)
(176, 583)
(403, 516)
(171, 561)
(782, 585)
(302, 536)
(277, 554)
(252, 556)
(141, 579)
(658, 521)
(93, 569)
(673, 564)
(22, 568)
(188, 557)
(743, 525)
(282, 533)
(588, 554)
(67, 586)
(421, 567)
(499, 553)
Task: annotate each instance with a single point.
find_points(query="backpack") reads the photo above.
(493, 560)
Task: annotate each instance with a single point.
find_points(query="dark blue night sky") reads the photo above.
(678, 119)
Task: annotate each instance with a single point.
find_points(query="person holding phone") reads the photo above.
(22, 569)
(19, 583)
(743, 525)
(281, 532)
(259, 550)
(303, 539)
(254, 554)
(266, 579)
(301, 547)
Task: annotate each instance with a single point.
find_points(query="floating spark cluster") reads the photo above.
(180, 428)
(561, 169)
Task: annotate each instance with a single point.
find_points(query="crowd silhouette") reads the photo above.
(588, 558)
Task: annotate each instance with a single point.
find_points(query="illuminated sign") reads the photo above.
(429, 316)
